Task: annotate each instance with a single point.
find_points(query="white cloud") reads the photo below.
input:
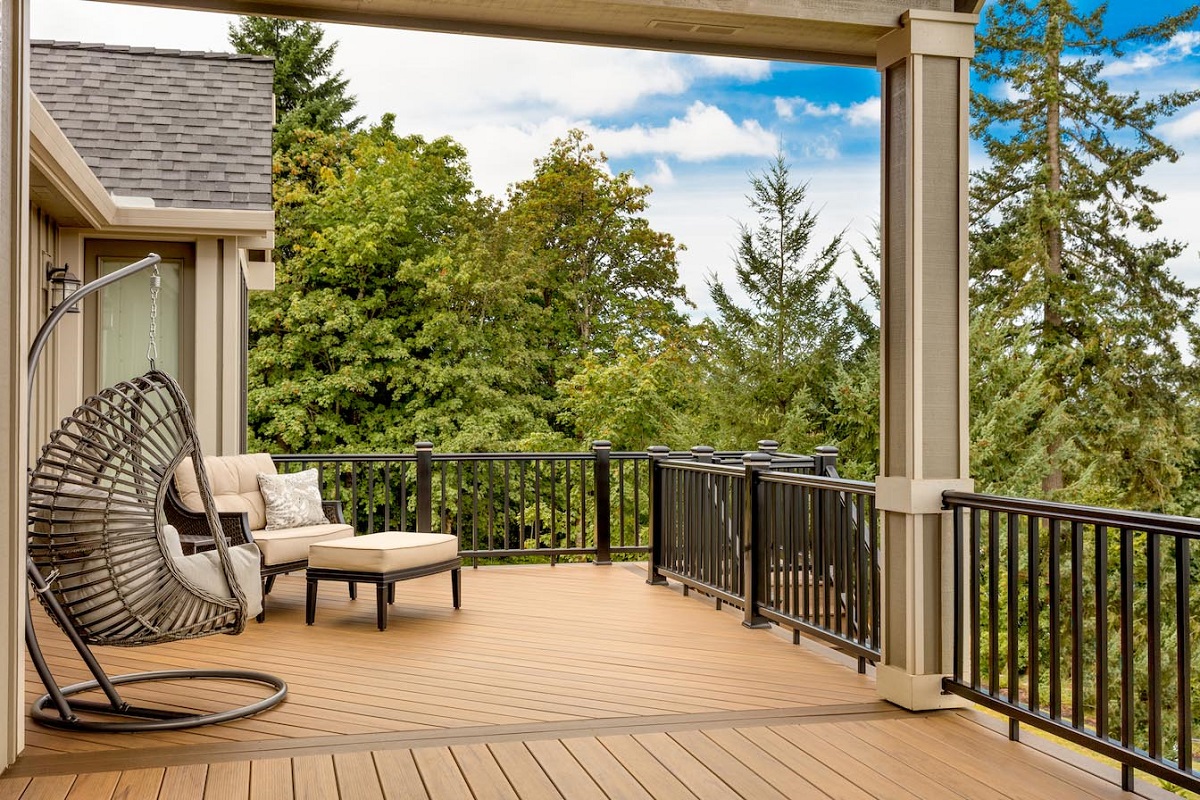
(705, 133)
(1182, 45)
(662, 175)
(1186, 127)
(864, 113)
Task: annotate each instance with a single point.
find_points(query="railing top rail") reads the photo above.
(1110, 517)
(702, 466)
(819, 482)
(580, 456)
(295, 458)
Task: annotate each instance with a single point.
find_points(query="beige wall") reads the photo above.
(14, 341)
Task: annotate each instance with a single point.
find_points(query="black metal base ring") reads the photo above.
(154, 719)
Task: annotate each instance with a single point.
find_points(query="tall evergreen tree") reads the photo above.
(1066, 276)
(307, 93)
(775, 362)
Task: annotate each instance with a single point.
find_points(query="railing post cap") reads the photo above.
(602, 444)
(658, 450)
(703, 448)
(424, 445)
(827, 450)
(768, 445)
(756, 460)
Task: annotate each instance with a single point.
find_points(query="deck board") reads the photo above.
(568, 682)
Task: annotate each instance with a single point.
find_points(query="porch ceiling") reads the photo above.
(821, 31)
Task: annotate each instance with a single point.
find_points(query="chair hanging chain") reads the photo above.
(152, 347)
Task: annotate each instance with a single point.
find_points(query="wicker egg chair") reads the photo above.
(110, 571)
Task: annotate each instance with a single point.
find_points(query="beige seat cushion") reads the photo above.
(291, 544)
(384, 552)
(203, 570)
(234, 483)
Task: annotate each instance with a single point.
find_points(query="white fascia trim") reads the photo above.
(193, 221)
(56, 158)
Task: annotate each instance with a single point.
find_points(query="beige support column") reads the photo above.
(206, 345)
(14, 342)
(233, 372)
(923, 331)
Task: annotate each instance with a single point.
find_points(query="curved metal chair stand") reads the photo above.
(102, 561)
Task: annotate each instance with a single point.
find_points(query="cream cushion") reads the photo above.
(384, 552)
(292, 544)
(234, 483)
(94, 600)
(203, 570)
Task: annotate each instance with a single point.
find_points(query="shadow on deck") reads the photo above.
(574, 681)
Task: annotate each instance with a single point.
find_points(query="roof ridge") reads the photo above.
(155, 51)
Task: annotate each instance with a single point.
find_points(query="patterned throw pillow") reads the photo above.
(293, 500)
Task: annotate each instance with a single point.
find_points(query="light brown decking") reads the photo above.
(575, 681)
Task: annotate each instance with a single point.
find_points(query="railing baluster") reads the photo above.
(387, 495)
(1077, 701)
(976, 641)
(1012, 543)
(1154, 643)
(957, 611)
(1183, 653)
(1101, 651)
(1055, 600)
(993, 603)
(1127, 653)
(371, 495)
(1033, 559)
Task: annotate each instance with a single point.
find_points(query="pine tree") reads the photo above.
(1064, 272)
(307, 94)
(775, 362)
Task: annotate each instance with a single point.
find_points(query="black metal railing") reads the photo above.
(791, 547)
(1083, 622)
(499, 505)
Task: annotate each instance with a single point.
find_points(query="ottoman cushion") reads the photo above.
(292, 544)
(384, 552)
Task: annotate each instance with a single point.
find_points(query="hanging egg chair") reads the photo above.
(107, 567)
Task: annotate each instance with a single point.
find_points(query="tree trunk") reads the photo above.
(1052, 322)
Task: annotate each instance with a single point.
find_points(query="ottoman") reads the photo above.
(381, 559)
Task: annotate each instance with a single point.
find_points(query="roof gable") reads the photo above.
(184, 129)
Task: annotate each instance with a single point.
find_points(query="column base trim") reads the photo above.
(914, 692)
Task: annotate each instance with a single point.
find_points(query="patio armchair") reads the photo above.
(242, 511)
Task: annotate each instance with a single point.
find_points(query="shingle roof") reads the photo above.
(185, 128)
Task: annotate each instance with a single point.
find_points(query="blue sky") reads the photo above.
(692, 128)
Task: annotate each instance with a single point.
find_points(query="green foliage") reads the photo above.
(383, 328)
(307, 95)
(634, 399)
(596, 272)
(1078, 317)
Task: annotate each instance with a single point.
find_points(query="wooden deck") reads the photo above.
(574, 681)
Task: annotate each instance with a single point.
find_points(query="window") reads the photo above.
(124, 322)
(118, 316)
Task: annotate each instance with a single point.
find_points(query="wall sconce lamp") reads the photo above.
(63, 284)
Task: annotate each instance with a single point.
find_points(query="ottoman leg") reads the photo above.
(391, 592)
(381, 590)
(353, 590)
(310, 602)
(455, 587)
